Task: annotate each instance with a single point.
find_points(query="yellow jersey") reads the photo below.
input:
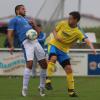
(67, 34)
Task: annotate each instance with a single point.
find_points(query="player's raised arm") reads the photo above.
(57, 37)
(88, 42)
(10, 40)
(82, 37)
(34, 25)
(10, 35)
(56, 30)
(55, 33)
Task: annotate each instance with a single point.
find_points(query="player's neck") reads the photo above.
(20, 15)
(73, 25)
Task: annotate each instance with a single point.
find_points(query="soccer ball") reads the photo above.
(31, 34)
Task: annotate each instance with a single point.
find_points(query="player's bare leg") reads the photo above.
(26, 77)
(43, 64)
(50, 71)
(70, 80)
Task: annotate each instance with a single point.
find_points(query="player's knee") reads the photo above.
(67, 66)
(43, 63)
(68, 69)
(29, 64)
(53, 59)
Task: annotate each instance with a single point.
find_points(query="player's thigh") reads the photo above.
(65, 63)
(39, 51)
(28, 50)
(64, 60)
(40, 55)
(67, 66)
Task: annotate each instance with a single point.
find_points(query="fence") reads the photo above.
(83, 62)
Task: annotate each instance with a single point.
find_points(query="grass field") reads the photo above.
(88, 89)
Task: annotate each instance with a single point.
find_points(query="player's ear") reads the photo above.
(17, 12)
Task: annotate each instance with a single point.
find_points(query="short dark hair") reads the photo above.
(76, 15)
(17, 8)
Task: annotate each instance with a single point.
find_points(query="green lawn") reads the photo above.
(88, 89)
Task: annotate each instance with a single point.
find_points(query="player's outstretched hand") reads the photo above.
(94, 51)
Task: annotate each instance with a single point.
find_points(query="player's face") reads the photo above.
(72, 21)
(40, 29)
(22, 11)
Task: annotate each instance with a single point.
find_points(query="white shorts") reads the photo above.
(32, 48)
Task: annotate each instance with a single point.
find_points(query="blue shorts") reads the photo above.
(61, 56)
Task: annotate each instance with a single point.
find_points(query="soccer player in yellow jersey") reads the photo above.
(65, 34)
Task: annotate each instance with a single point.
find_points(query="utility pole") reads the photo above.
(62, 8)
(79, 5)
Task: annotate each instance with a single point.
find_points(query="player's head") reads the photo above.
(74, 18)
(20, 10)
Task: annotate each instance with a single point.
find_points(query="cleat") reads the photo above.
(72, 93)
(48, 86)
(42, 91)
(24, 92)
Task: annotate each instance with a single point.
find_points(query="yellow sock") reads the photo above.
(70, 80)
(50, 71)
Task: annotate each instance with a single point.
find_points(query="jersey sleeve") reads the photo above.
(85, 36)
(11, 24)
(59, 25)
(41, 37)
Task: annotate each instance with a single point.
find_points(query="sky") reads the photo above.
(91, 7)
